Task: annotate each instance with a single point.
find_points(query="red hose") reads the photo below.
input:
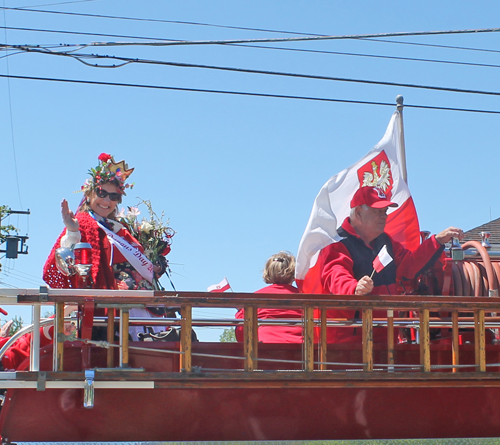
(492, 285)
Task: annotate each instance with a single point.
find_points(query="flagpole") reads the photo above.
(402, 149)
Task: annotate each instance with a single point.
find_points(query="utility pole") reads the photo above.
(12, 241)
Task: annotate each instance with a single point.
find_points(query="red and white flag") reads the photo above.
(382, 259)
(382, 166)
(221, 287)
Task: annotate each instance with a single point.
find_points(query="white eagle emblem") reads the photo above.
(377, 179)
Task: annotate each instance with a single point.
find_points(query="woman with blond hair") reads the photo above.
(279, 273)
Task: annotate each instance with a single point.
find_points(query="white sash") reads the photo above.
(134, 256)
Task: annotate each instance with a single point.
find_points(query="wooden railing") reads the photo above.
(480, 307)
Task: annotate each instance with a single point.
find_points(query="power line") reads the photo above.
(243, 93)
(9, 102)
(411, 59)
(434, 45)
(11, 286)
(297, 39)
(55, 31)
(305, 37)
(138, 19)
(56, 4)
(19, 277)
(127, 60)
(27, 9)
(18, 274)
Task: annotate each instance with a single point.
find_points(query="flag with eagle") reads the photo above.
(381, 167)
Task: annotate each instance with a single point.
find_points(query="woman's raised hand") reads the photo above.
(68, 217)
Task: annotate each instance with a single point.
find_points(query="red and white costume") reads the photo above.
(104, 276)
(103, 256)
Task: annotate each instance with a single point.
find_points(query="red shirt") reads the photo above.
(275, 334)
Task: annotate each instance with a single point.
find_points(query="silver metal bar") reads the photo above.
(35, 339)
(88, 389)
(120, 363)
(200, 322)
(78, 384)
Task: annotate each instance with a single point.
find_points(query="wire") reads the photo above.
(9, 102)
(412, 59)
(340, 53)
(23, 279)
(11, 286)
(252, 71)
(155, 20)
(24, 274)
(297, 39)
(235, 27)
(434, 45)
(230, 27)
(12, 54)
(15, 274)
(55, 4)
(243, 93)
(305, 37)
(12, 28)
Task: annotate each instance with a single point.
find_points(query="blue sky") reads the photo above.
(237, 175)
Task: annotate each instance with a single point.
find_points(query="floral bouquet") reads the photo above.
(154, 235)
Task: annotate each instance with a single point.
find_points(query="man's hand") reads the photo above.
(365, 286)
(446, 235)
(68, 217)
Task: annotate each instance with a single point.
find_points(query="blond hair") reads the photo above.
(280, 269)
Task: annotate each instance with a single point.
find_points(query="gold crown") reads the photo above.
(120, 169)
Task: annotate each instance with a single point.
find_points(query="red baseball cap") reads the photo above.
(373, 197)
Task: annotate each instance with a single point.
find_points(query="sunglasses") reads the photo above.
(101, 193)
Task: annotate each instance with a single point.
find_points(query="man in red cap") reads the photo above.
(347, 265)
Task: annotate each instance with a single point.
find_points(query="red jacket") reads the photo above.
(342, 264)
(102, 275)
(275, 334)
(102, 272)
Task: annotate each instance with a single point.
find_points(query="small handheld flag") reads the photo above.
(383, 259)
(221, 287)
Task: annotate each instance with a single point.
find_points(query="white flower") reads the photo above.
(133, 212)
(121, 213)
(146, 227)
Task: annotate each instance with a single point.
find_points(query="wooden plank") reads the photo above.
(480, 345)
(323, 341)
(309, 339)
(455, 341)
(425, 354)
(367, 336)
(466, 379)
(186, 327)
(255, 336)
(207, 299)
(311, 384)
(124, 323)
(248, 337)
